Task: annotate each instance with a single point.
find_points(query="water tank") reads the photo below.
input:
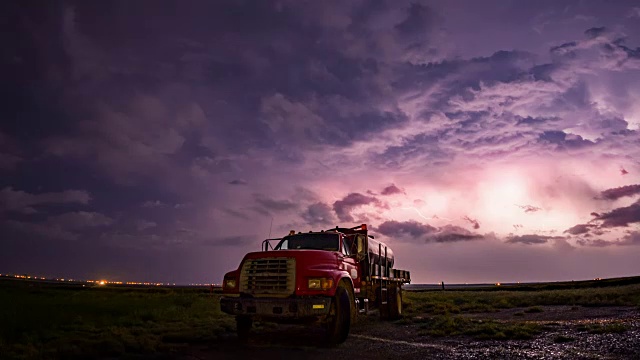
(374, 247)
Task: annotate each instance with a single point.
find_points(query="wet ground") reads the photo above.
(568, 334)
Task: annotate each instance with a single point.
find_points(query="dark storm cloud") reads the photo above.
(452, 233)
(80, 219)
(620, 217)
(595, 32)
(319, 214)
(564, 140)
(410, 228)
(610, 46)
(238, 182)
(24, 202)
(391, 190)
(41, 231)
(532, 239)
(421, 146)
(271, 204)
(579, 229)
(632, 238)
(619, 192)
(413, 231)
(344, 207)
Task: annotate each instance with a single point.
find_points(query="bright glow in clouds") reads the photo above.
(499, 196)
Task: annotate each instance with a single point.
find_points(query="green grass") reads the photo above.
(448, 325)
(455, 302)
(49, 322)
(40, 321)
(441, 313)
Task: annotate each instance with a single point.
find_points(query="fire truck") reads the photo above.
(326, 277)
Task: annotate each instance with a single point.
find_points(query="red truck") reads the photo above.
(326, 277)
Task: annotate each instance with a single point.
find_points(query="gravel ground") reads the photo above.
(565, 337)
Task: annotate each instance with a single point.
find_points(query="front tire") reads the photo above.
(340, 323)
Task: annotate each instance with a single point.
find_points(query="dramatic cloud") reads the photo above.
(391, 190)
(621, 216)
(622, 191)
(319, 214)
(630, 239)
(579, 229)
(411, 229)
(451, 233)
(274, 204)
(80, 219)
(532, 239)
(24, 202)
(427, 120)
(238, 182)
(350, 202)
(423, 233)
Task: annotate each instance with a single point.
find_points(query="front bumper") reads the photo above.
(295, 308)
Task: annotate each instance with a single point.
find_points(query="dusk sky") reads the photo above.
(483, 141)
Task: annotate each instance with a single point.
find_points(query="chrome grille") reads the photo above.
(268, 276)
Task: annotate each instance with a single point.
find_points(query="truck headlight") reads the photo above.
(229, 283)
(320, 283)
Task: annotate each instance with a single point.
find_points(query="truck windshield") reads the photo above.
(329, 242)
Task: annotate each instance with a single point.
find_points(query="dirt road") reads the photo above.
(565, 337)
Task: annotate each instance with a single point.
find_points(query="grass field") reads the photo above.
(49, 321)
(445, 310)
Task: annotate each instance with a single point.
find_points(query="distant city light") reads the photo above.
(105, 282)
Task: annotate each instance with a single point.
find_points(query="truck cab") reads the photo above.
(316, 277)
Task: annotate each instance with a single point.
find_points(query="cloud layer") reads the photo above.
(448, 130)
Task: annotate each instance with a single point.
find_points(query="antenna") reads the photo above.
(270, 226)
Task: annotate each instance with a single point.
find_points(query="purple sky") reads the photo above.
(483, 141)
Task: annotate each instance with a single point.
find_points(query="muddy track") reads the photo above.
(384, 340)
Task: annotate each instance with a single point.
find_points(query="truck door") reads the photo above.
(350, 264)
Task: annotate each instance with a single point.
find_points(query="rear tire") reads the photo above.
(243, 327)
(340, 323)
